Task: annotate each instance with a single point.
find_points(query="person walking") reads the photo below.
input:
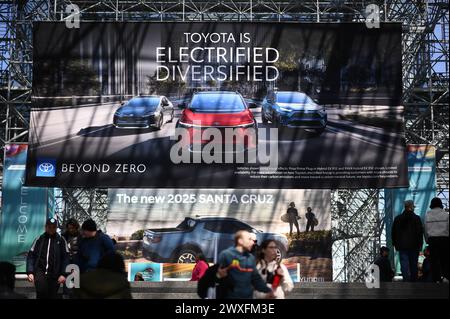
(238, 264)
(311, 219)
(272, 271)
(293, 217)
(436, 235)
(93, 246)
(407, 238)
(47, 261)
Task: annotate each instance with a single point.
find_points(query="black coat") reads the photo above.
(58, 256)
(407, 232)
(386, 272)
(73, 243)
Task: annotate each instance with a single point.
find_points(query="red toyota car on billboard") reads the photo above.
(222, 110)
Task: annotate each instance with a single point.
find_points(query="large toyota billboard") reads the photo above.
(217, 105)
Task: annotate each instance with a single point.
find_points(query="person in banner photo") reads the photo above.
(93, 246)
(47, 261)
(436, 235)
(293, 218)
(272, 271)
(407, 238)
(311, 219)
(238, 264)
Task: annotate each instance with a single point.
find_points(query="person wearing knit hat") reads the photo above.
(89, 225)
(93, 246)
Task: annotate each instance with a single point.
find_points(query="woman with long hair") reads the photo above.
(272, 271)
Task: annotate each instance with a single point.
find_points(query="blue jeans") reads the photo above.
(408, 264)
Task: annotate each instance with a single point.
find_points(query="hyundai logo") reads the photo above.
(46, 167)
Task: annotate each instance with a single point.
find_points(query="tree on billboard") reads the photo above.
(66, 78)
(287, 64)
(358, 78)
(287, 61)
(155, 86)
(79, 77)
(231, 85)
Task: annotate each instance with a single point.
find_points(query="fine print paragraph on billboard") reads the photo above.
(217, 105)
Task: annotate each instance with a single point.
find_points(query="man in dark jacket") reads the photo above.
(383, 263)
(407, 238)
(47, 261)
(93, 246)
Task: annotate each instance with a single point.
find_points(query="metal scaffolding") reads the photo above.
(358, 216)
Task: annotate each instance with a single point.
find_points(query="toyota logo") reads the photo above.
(46, 167)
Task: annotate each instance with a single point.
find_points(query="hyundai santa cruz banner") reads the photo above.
(175, 225)
(217, 105)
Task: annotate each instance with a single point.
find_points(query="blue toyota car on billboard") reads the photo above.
(207, 235)
(293, 109)
(144, 112)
